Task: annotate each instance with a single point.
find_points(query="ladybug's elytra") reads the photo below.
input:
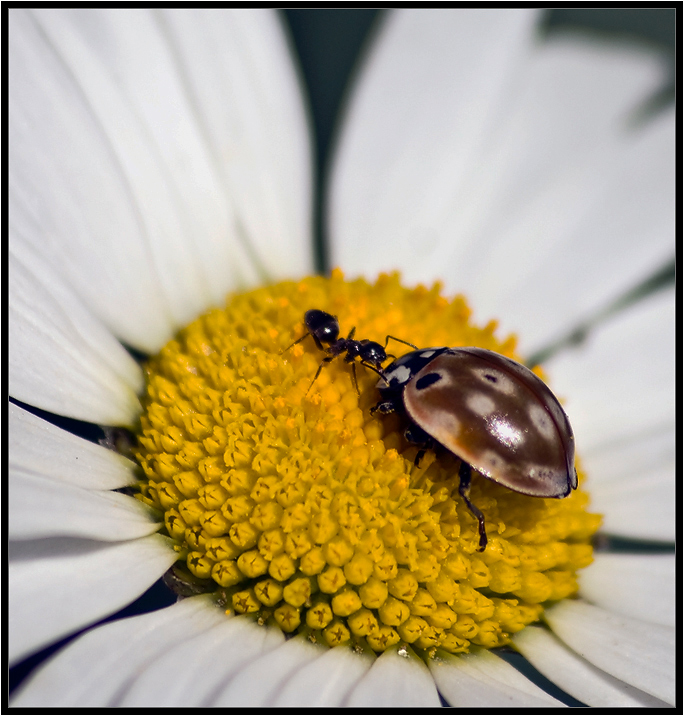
(490, 411)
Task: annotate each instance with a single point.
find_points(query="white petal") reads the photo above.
(326, 681)
(428, 85)
(43, 448)
(620, 382)
(61, 358)
(398, 678)
(71, 200)
(60, 585)
(638, 585)
(247, 93)
(258, 683)
(43, 507)
(634, 485)
(138, 84)
(482, 679)
(96, 669)
(639, 653)
(620, 399)
(576, 676)
(585, 232)
(190, 673)
(484, 159)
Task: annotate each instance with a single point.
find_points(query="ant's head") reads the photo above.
(372, 352)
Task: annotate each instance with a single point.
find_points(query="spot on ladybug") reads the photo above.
(427, 380)
(490, 411)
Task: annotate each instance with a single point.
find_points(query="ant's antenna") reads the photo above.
(399, 340)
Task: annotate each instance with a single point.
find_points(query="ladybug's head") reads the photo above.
(401, 371)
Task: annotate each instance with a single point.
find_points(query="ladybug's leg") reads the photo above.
(464, 474)
(416, 435)
(385, 407)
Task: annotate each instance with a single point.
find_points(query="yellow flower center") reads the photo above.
(295, 502)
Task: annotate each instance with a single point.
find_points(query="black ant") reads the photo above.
(325, 330)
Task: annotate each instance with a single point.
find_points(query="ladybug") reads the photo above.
(324, 328)
(493, 413)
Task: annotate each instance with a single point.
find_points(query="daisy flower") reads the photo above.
(160, 162)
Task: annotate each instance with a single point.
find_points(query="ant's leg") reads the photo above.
(366, 364)
(464, 474)
(327, 359)
(299, 340)
(356, 382)
(351, 333)
(399, 340)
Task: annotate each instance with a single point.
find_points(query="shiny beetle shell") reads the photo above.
(490, 411)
